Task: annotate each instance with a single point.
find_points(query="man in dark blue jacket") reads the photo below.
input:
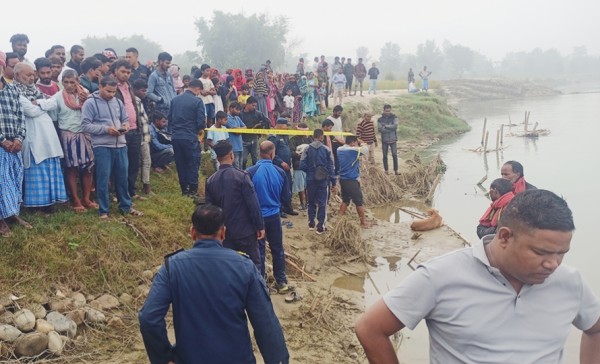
(232, 190)
(283, 160)
(271, 188)
(187, 118)
(317, 162)
(211, 290)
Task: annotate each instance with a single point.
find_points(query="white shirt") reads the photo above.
(288, 100)
(474, 315)
(207, 85)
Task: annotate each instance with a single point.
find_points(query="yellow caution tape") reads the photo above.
(276, 131)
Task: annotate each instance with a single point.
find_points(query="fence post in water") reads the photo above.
(487, 134)
(497, 139)
(502, 134)
(433, 187)
(484, 127)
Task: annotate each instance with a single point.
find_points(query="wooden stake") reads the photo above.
(414, 256)
(535, 126)
(432, 190)
(502, 134)
(487, 134)
(482, 180)
(484, 127)
(497, 139)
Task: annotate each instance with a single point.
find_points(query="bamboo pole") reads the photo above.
(502, 134)
(482, 180)
(484, 127)
(487, 134)
(535, 126)
(432, 190)
(497, 139)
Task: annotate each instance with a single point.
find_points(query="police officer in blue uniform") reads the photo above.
(212, 290)
(232, 190)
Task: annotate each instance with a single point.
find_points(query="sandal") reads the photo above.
(134, 212)
(79, 209)
(90, 205)
(104, 217)
(292, 297)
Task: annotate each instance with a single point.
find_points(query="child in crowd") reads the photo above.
(244, 95)
(214, 135)
(288, 101)
(186, 82)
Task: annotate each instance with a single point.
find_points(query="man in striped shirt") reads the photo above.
(365, 131)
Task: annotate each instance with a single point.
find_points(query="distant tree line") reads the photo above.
(236, 40)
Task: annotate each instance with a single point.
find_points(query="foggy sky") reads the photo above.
(492, 27)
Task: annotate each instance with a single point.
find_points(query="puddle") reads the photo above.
(392, 212)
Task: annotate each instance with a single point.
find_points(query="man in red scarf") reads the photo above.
(501, 194)
(513, 171)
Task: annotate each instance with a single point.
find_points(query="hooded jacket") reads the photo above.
(98, 115)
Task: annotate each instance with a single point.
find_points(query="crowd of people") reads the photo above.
(99, 123)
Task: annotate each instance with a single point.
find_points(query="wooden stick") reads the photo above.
(484, 127)
(374, 285)
(487, 134)
(482, 180)
(435, 183)
(414, 256)
(412, 213)
(497, 139)
(535, 126)
(502, 135)
(348, 272)
(294, 265)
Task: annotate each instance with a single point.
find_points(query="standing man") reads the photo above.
(207, 94)
(349, 159)
(140, 89)
(43, 182)
(271, 189)
(387, 125)
(514, 172)
(234, 122)
(506, 299)
(77, 55)
(12, 134)
(44, 73)
(161, 88)
(337, 140)
(300, 66)
(105, 119)
(365, 131)
(425, 77)
(349, 73)
(232, 190)
(373, 75)
(261, 89)
(91, 75)
(9, 71)
(283, 160)
(19, 44)
(77, 147)
(211, 291)
(322, 72)
(138, 70)
(360, 72)
(253, 119)
(187, 120)
(298, 143)
(58, 50)
(338, 82)
(121, 70)
(317, 162)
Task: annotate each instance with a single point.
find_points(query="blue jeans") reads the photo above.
(274, 235)
(237, 159)
(250, 147)
(373, 86)
(316, 194)
(187, 160)
(112, 161)
(425, 84)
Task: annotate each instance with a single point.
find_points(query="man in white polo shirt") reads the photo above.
(507, 299)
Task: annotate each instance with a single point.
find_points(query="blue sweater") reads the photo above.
(317, 154)
(269, 183)
(348, 158)
(187, 116)
(98, 115)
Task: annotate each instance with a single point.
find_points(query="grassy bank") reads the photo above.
(422, 116)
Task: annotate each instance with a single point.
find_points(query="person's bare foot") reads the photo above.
(159, 170)
(23, 223)
(89, 204)
(78, 208)
(4, 229)
(365, 225)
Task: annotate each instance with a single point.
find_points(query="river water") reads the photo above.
(566, 162)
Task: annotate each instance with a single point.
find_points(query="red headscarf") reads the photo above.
(239, 79)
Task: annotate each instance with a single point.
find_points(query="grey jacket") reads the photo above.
(98, 115)
(387, 125)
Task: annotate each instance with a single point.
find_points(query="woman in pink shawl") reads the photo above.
(239, 79)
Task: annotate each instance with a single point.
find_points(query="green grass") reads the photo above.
(386, 85)
(97, 256)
